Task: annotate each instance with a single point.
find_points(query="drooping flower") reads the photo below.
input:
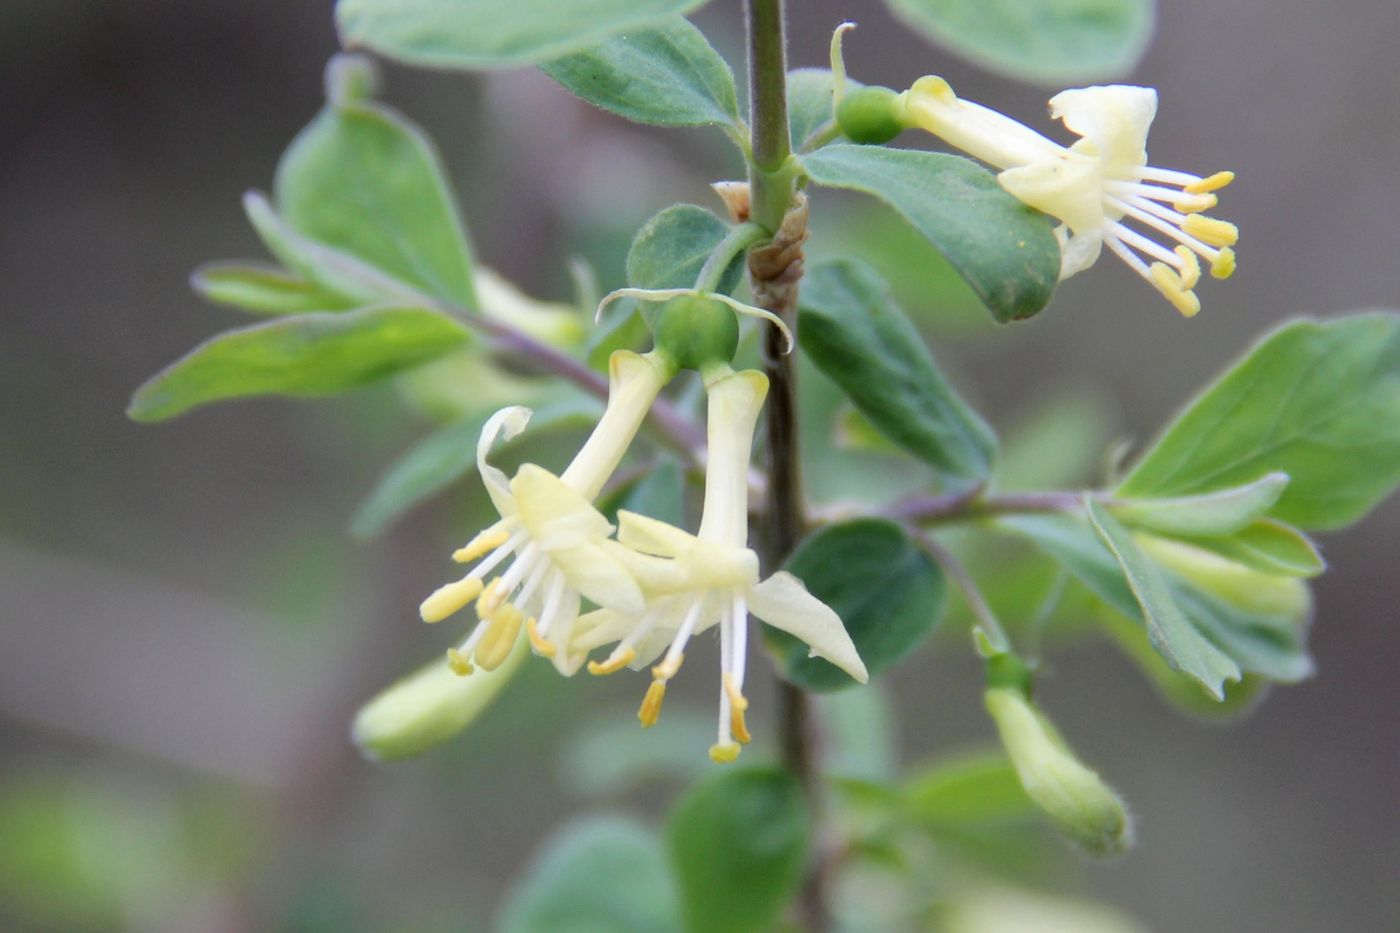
(1096, 186)
(552, 542)
(695, 582)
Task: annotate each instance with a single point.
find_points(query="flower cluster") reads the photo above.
(655, 585)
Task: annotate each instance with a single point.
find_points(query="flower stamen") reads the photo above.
(650, 711)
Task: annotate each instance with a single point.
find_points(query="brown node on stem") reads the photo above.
(776, 268)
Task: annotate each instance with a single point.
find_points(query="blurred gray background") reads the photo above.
(187, 627)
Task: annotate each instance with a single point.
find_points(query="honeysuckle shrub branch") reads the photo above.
(1195, 558)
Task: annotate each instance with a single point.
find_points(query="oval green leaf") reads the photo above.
(1001, 248)
(363, 179)
(968, 791)
(303, 355)
(479, 34)
(1318, 400)
(887, 591)
(738, 842)
(853, 330)
(667, 75)
(599, 873)
(1047, 41)
(671, 248)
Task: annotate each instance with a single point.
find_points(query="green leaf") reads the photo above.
(445, 457)
(363, 179)
(854, 332)
(1271, 646)
(887, 591)
(477, 34)
(968, 791)
(1268, 546)
(1075, 545)
(659, 493)
(1169, 630)
(809, 103)
(622, 328)
(1047, 41)
(307, 354)
(262, 289)
(334, 270)
(1002, 249)
(667, 75)
(861, 731)
(738, 841)
(613, 756)
(1213, 514)
(671, 248)
(597, 874)
(1318, 400)
(1181, 691)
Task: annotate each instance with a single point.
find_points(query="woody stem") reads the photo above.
(774, 271)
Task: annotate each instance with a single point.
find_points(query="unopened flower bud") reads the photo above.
(870, 115)
(1074, 797)
(1240, 587)
(694, 332)
(428, 707)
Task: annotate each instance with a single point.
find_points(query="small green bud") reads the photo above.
(870, 115)
(1074, 797)
(428, 707)
(1006, 670)
(350, 79)
(693, 332)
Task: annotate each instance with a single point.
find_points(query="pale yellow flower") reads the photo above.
(552, 542)
(1099, 187)
(696, 582)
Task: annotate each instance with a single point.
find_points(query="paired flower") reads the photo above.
(695, 582)
(1097, 185)
(656, 585)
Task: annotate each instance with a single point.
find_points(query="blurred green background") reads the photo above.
(188, 627)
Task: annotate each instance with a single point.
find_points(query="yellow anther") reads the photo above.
(1210, 183)
(484, 543)
(615, 662)
(1212, 231)
(737, 706)
(491, 598)
(502, 631)
(1195, 203)
(542, 646)
(448, 599)
(1190, 270)
(651, 704)
(1171, 286)
(724, 754)
(458, 662)
(1224, 265)
(668, 668)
